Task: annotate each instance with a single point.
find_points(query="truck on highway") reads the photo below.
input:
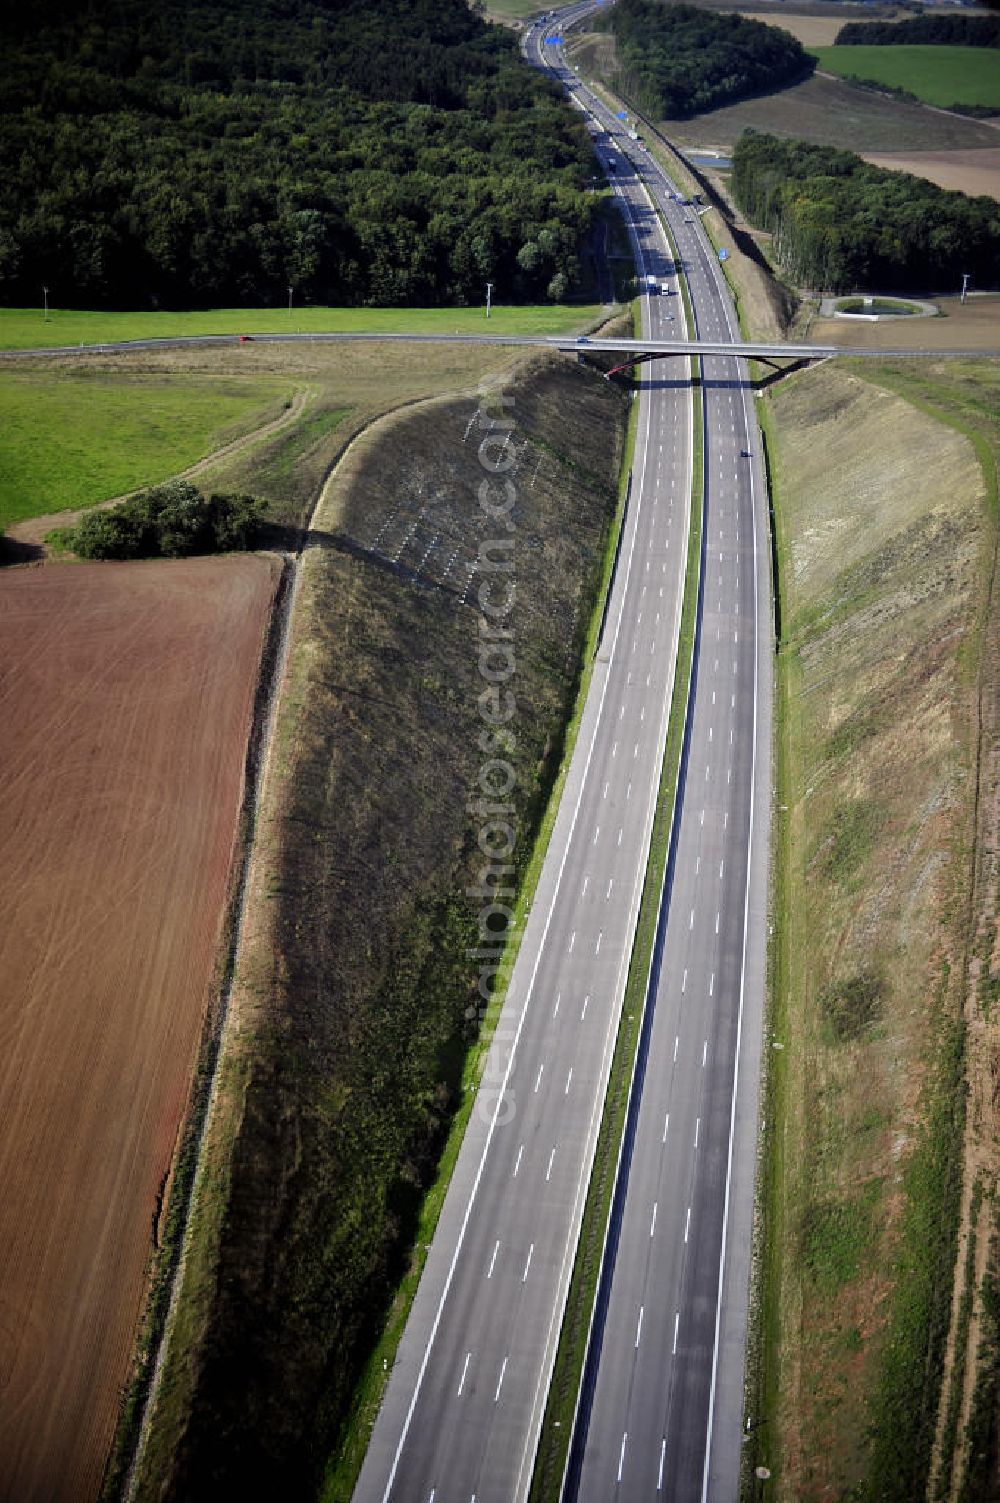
(652, 285)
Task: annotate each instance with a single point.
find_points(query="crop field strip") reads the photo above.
(127, 695)
(942, 76)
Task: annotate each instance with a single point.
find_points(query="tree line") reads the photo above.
(675, 60)
(927, 30)
(840, 224)
(220, 151)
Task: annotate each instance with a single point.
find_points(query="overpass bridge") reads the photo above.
(640, 349)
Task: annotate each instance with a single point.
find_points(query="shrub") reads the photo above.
(168, 521)
(851, 1006)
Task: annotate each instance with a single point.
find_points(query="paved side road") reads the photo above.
(665, 345)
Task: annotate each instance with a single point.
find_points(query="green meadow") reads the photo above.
(27, 328)
(942, 76)
(72, 440)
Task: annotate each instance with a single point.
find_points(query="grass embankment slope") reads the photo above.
(942, 76)
(344, 1062)
(884, 540)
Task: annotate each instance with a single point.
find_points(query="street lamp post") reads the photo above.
(965, 284)
(45, 303)
(289, 302)
(489, 297)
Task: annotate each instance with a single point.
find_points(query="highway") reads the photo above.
(661, 1415)
(464, 1404)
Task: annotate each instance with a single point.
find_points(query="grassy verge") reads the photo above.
(764, 1336)
(557, 1425)
(983, 1465)
(27, 329)
(949, 1430)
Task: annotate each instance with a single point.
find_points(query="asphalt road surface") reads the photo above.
(464, 1404)
(661, 1414)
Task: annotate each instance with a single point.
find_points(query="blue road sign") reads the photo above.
(554, 41)
(723, 253)
(621, 114)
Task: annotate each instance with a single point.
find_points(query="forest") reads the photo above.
(207, 152)
(675, 60)
(842, 225)
(927, 30)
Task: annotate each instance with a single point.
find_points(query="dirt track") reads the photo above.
(126, 693)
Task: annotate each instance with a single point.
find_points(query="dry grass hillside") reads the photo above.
(345, 1061)
(885, 543)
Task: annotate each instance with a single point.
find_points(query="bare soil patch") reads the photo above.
(127, 693)
(811, 30)
(834, 113)
(972, 325)
(975, 172)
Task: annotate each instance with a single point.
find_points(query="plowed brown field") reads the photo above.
(126, 697)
